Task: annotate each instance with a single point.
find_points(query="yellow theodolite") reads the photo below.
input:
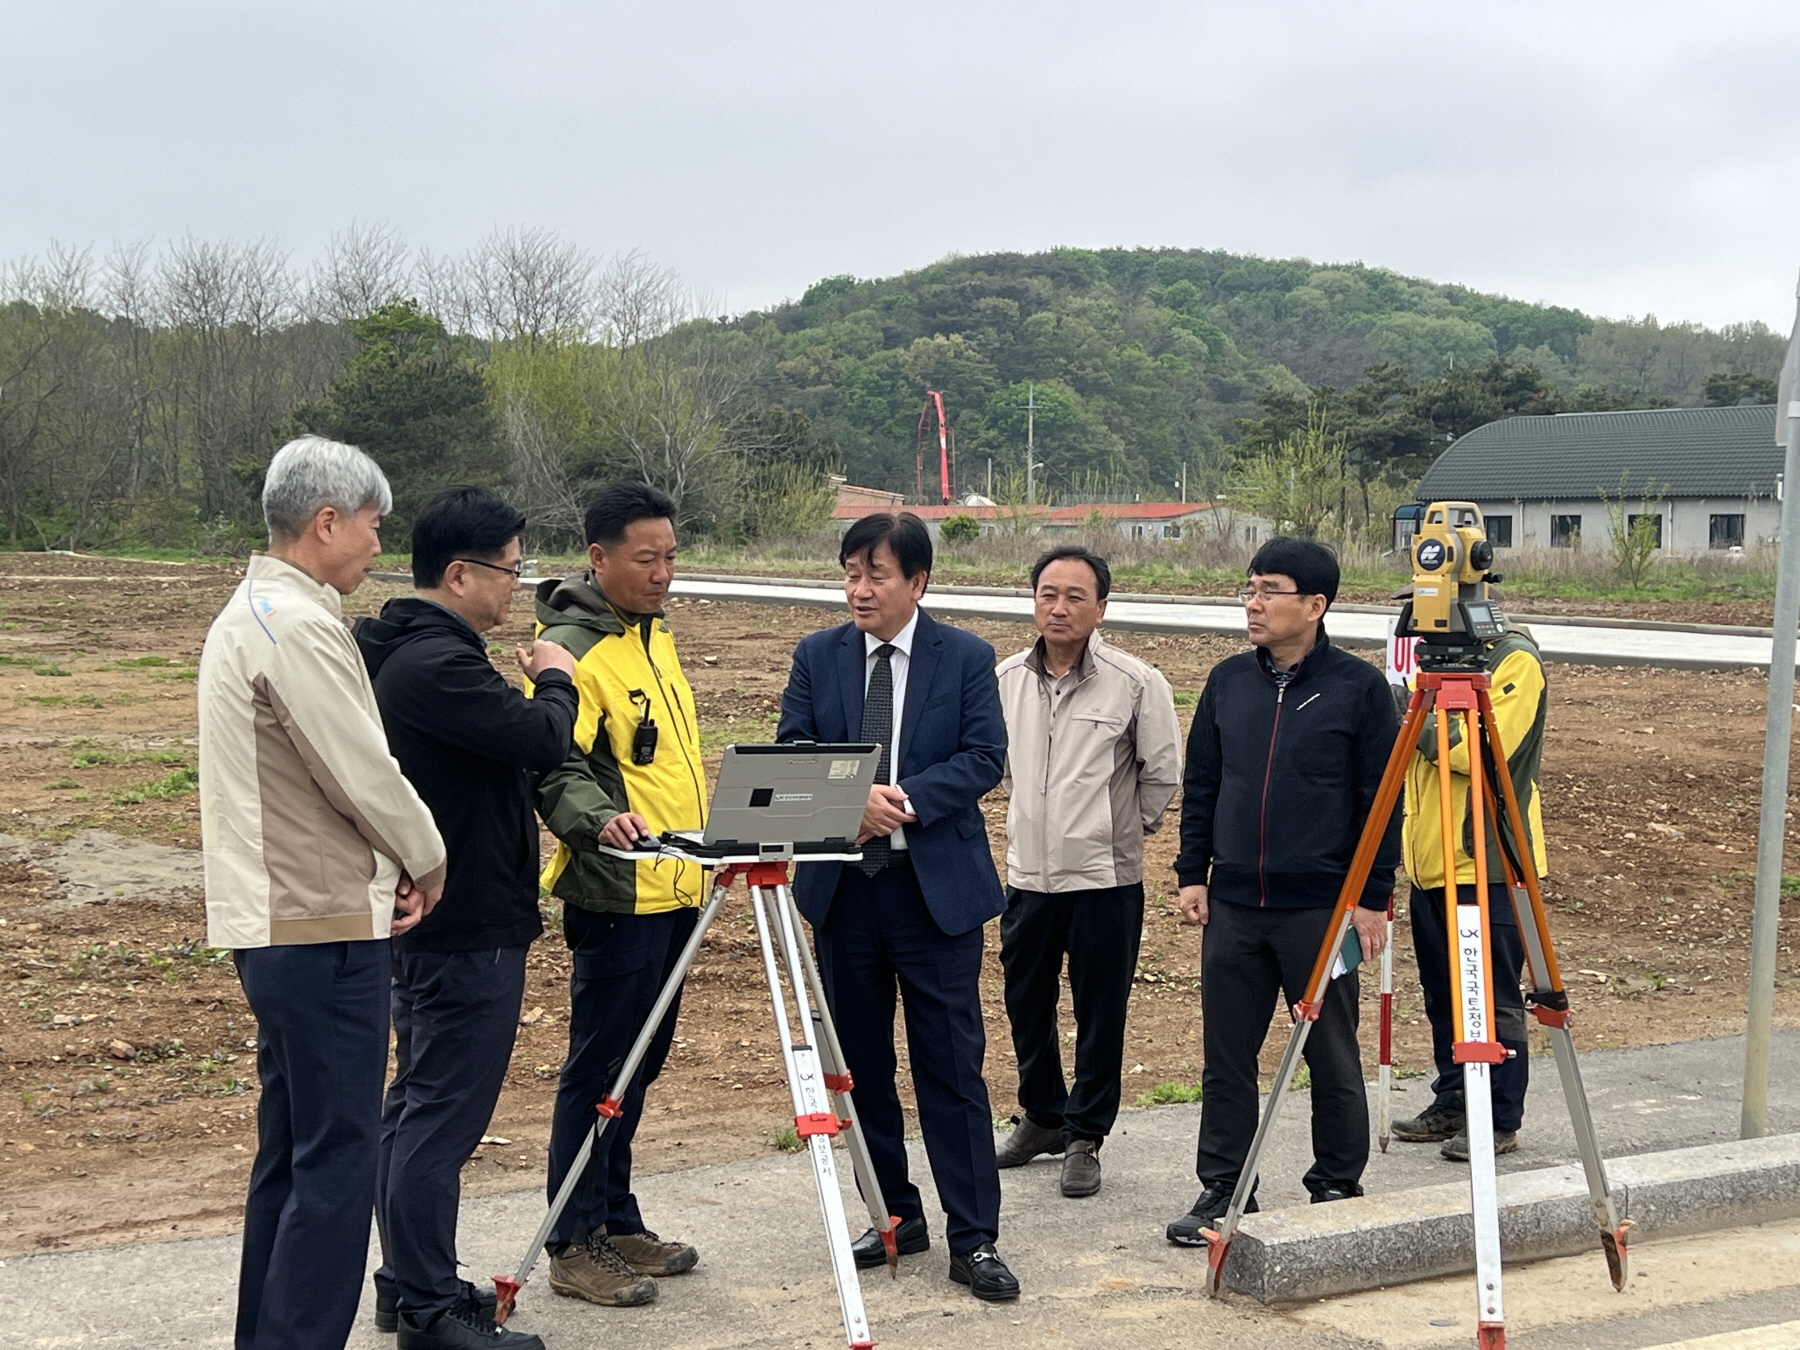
(1451, 609)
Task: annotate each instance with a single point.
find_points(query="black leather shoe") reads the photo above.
(909, 1240)
(387, 1304)
(1336, 1190)
(463, 1327)
(1207, 1211)
(985, 1274)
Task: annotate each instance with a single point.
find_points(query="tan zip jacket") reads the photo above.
(305, 816)
(1088, 773)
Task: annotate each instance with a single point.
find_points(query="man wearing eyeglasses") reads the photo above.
(469, 743)
(1285, 755)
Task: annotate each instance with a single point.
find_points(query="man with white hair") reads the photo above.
(317, 849)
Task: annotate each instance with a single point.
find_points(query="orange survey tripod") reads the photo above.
(1449, 685)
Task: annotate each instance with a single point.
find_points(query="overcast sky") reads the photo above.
(1623, 158)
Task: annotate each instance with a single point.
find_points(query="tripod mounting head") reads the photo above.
(1452, 611)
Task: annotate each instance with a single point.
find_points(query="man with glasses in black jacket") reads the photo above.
(471, 744)
(1284, 758)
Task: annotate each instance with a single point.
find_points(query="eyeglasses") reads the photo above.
(516, 571)
(1246, 594)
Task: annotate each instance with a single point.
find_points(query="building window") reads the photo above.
(1499, 530)
(1172, 530)
(1725, 530)
(1565, 531)
(1653, 524)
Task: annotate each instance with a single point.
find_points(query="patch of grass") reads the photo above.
(786, 1141)
(178, 784)
(1187, 698)
(1410, 1073)
(188, 675)
(62, 783)
(135, 662)
(66, 700)
(93, 759)
(1169, 1094)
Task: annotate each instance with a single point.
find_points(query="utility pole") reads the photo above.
(1184, 482)
(1030, 444)
(1771, 836)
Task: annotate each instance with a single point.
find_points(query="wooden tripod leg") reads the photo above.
(1550, 1004)
(1393, 778)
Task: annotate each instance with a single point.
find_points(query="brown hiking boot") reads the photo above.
(1027, 1141)
(1081, 1169)
(594, 1271)
(648, 1254)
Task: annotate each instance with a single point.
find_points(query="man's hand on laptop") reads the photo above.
(624, 830)
(885, 813)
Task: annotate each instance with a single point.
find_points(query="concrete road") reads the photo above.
(1690, 647)
(1096, 1272)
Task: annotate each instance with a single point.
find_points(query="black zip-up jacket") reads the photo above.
(1280, 781)
(472, 745)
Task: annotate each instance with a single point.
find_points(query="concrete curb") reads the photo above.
(1309, 1252)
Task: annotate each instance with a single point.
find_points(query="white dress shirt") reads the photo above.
(900, 662)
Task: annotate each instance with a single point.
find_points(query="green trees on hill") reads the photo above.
(1148, 360)
(141, 393)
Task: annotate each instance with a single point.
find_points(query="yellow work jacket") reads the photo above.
(623, 673)
(1520, 702)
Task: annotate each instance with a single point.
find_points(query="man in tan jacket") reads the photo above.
(317, 848)
(1093, 759)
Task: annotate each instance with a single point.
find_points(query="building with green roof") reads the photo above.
(1539, 480)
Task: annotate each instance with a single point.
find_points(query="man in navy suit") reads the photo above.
(907, 919)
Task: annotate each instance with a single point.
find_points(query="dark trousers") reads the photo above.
(1099, 930)
(621, 962)
(879, 941)
(1248, 957)
(1506, 964)
(321, 1050)
(456, 1015)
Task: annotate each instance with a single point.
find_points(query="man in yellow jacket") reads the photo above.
(1516, 673)
(633, 772)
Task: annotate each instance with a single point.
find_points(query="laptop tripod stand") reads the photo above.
(1462, 691)
(818, 1080)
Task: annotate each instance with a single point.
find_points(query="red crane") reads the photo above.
(946, 441)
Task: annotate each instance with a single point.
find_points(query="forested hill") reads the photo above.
(1144, 359)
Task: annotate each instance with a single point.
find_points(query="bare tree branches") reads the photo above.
(365, 267)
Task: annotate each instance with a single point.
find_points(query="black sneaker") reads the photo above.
(1437, 1122)
(910, 1238)
(1207, 1211)
(1336, 1190)
(985, 1274)
(463, 1327)
(387, 1304)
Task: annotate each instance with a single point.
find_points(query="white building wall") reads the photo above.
(1687, 521)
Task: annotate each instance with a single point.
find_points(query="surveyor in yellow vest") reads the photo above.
(633, 772)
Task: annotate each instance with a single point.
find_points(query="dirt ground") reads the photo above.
(127, 1065)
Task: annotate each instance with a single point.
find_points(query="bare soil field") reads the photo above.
(127, 1063)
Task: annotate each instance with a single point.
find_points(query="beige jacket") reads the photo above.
(306, 819)
(1090, 779)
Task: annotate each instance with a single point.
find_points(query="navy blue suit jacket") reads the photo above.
(952, 752)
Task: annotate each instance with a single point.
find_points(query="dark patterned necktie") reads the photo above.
(878, 727)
